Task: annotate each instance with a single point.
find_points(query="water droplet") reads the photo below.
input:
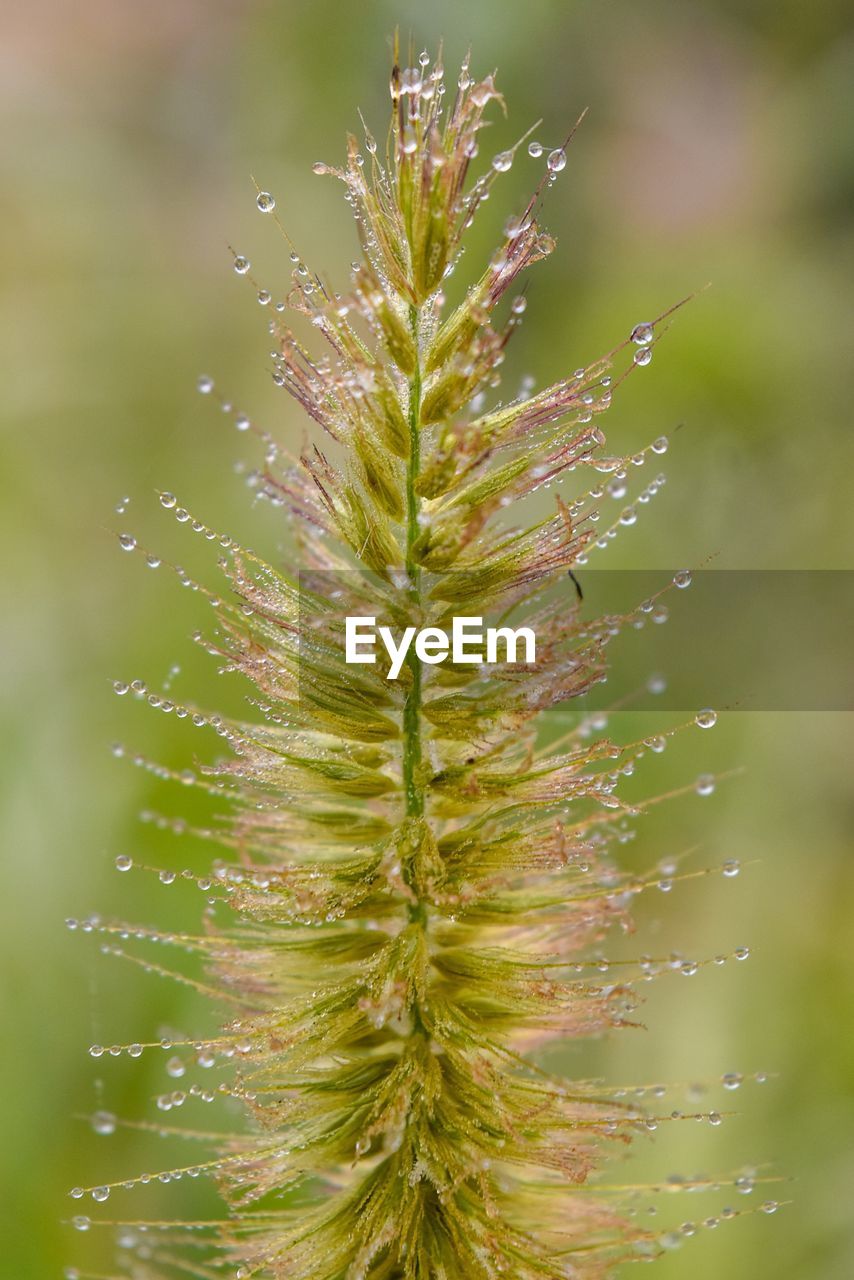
(104, 1123)
(175, 1068)
(770, 1206)
(241, 265)
(81, 1223)
(642, 334)
(518, 305)
(127, 542)
(660, 445)
(503, 161)
(731, 868)
(705, 784)
(715, 1118)
(96, 1051)
(120, 687)
(556, 160)
(265, 202)
(741, 953)
(123, 862)
(682, 579)
(732, 1080)
(643, 356)
(166, 877)
(706, 719)
(101, 1194)
(76, 1193)
(535, 149)
(135, 1051)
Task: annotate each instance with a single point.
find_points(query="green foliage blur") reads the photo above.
(719, 148)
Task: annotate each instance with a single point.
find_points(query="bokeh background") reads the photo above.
(718, 148)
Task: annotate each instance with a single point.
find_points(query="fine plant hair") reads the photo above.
(415, 875)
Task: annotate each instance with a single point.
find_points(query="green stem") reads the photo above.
(412, 783)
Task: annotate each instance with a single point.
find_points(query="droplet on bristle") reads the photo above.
(127, 542)
(241, 264)
(556, 160)
(643, 356)
(535, 149)
(265, 202)
(104, 1123)
(706, 719)
(123, 862)
(643, 334)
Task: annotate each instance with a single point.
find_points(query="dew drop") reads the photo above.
(556, 160)
(127, 542)
(104, 1123)
(241, 265)
(731, 868)
(503, 161)
(643, 356)
(660, 445)
(81, 1223)
(770, 1206)
(706, 719)
(76, 1193)
(682, 579)
(741, 953)
(535, 149)
(205, 385)
(96, 1051)
(175, 1068)
(265, 202)
(715, 1119)
(642, 334)
(123, 862)
(732, 1080)
(705, 784)
(101, 1194)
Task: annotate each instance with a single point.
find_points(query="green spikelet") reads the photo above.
(412, 883)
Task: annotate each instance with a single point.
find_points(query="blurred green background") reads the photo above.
(718, 148)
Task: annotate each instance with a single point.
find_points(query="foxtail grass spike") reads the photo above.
(412, 891)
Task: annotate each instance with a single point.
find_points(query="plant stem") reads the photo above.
(412, 782)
